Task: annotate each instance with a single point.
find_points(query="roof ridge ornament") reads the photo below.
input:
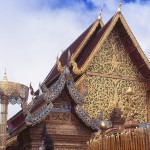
(40, 89)
(69, 58)
(119, 7)
(59, 65)
(100, 14)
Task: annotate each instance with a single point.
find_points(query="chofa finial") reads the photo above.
(100, 14)
(59, 65)
(119, 7)
(69, 57)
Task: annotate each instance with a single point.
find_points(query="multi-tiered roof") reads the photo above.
(82, 51)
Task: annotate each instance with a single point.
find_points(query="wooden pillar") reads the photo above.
(3, 123)
(148, 100)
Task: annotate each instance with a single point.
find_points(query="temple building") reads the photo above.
(100, 82)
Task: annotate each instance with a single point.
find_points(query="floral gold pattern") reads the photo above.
(104, 91)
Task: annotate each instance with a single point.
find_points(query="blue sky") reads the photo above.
(34, 32)
(38, 4)
(59, 4)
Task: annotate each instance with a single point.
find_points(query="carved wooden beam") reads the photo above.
(132, 51)
(114, 76)
(141, 66)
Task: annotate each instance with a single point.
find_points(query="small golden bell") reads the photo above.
(103, 124)
(129, 91)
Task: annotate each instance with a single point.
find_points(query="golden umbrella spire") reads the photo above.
(5, 76)
(9, 92)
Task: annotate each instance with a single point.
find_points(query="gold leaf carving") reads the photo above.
(103, 92)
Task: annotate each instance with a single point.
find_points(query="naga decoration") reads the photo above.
(86, 118)
(93, 123)
(35, 100)
(76, 96)
(39, 116)
(75, 68)
(59, 66)
(49, 95)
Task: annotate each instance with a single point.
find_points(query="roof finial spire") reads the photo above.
(69, 57)
(100, 14)
(119, 7)
(5, 76)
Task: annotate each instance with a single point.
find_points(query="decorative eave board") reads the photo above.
(134, 50)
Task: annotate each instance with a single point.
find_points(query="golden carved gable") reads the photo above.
(113, 59)
(107, 79)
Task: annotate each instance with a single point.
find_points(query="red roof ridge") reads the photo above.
(86, 62)
(75, 48)
(85, 40)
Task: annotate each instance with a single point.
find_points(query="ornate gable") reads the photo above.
(112, 59)
(107, 78)
(129, 42)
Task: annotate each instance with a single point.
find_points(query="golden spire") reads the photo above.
(100, 14)
(5, 76)
(119, 7)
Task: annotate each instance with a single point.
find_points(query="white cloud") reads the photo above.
(30, 42)
(32, 34)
